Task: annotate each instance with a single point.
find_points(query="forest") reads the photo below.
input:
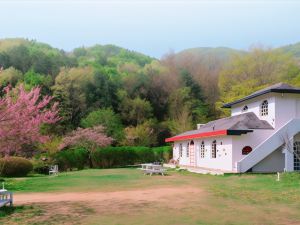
(137, 99)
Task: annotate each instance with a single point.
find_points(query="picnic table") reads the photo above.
(150, 168)
(6, 197)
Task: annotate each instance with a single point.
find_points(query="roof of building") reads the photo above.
(235, 125)
(277, 88)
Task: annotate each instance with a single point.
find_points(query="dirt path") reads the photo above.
(154, 194)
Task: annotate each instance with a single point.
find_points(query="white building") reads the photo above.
(262, 135)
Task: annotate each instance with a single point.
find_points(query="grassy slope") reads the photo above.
(246, 199)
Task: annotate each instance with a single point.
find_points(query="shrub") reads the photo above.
(72, 158)
(123, 156)
(15, 167)
(40, 166)
(163, 153)
(144, 154)
(112, 156)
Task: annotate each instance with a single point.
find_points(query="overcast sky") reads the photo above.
(153, 27)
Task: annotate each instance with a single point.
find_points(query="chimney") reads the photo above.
(199, 125)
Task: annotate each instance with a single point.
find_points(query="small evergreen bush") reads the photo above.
(15, 167)
(40, 167)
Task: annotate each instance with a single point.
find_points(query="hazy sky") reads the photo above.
(153, 27)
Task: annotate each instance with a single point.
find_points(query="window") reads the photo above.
(180, 150)
(188, 150)
(214, 149)
(246, 150)
(202, 150)
(245, 109)
(264, 108)
(296, 156)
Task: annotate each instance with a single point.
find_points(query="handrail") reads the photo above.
(292, 127)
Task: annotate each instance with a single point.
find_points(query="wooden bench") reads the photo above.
(53, 170)
(6, 197)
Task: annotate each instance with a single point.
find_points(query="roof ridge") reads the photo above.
(280, 87)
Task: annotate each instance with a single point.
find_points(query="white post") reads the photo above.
(288, 161)
(278, 176)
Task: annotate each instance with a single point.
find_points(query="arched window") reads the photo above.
(214, 149)
(245, 109)
(202, 150)
(264, 108)
(188, 150)
(180, 150)
(246, 150)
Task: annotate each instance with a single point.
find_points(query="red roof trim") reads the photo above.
(200, 135)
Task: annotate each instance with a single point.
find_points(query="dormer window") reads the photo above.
(245, 109)
(264, 108)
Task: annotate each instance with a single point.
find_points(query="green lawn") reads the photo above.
(231, 199)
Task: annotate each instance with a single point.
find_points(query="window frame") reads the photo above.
(188, 150)
(180, 150)
(245, 108)
(202, 150)
(214, 149)
(264, 108)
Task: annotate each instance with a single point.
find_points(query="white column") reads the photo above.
(289, 158)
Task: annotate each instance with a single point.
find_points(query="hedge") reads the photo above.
(15, 167)
(123, 156)
(72, 158)
(112, 156)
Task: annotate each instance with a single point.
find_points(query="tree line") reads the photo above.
(138, 100)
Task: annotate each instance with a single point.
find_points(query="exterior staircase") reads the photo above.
(286, 132)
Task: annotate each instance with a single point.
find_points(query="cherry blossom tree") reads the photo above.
(21, 116)
(89, 138)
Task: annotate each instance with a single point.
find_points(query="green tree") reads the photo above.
(71, 90)
(134, 111)
(102, 92)
(10, 76)
(108, 119)
(33, 79)
(141, 135)
(250, 72)
(180, 111)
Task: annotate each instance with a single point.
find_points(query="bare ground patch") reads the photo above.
(153, 194)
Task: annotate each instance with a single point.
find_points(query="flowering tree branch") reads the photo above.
(21, 115)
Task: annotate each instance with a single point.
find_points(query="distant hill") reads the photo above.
(293, 49)
(223, 54)
(220, 53)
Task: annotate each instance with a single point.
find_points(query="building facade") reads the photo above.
(262, 135)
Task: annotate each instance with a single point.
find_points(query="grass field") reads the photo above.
(125, 196)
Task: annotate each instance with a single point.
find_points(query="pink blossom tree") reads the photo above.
(89, 138)
(21, 116)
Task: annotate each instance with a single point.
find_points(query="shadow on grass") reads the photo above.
(8, 210)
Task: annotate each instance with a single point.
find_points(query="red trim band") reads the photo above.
(192, 136)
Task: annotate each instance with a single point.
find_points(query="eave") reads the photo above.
(295, 91)
(208, 134)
